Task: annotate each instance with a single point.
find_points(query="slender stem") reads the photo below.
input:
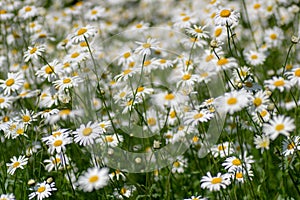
(286, 58)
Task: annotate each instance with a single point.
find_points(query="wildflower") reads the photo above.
(83, 33)
(126, 58)
(76, 56)
(194, 117)
(126, 191)
(226, 63)
(290, 145)
(233, 164)
(16, 163)
(261, 117)
(274, 37)
(262, 142)
(260, 101)
(198, 31)
(63, 114)
(5, 102)
(94, 178)
(127, 73)
(58, 143)
(222, 150)
(226, 17)
(294, 76)
(118, 174)
(86, 134)
(5, 15)
(241, 174)
(219, 34)
(145, 48)
(169, 99)
(179, 164)
(111, 140)
(27, 117)
(255, 58)
(34, 52)
(196, 198)
(95, 13)
(13, 83)
(104, 125)
(184, 20)
(56, 162)
(7, 196)
(279, 125)
(50, 71)
(28, 12)
(215, 183)
(233, 101)
(42, 190)
(67, 82)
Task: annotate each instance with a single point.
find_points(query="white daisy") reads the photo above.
(42, 190)
(215, 183)
(227, 17)
(279, 125)
(34, 52)
(82, 33)
(13, 83)
(145, 48)
(94, 178)
(194, 117)
(16, 163)
(86, 134)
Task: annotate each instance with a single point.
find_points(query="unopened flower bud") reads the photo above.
(295, 39)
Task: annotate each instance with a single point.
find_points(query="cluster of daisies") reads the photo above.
(77, 78)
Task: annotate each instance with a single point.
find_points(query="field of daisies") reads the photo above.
(149, 99)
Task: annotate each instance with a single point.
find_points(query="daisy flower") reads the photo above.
(274, 37)
(184, 20)
(76, 56)
(255, 58)
(145, 48)
(179, 165)
(126, 58)
(169, 99)
(13, 83)
(261, 117)
(196, 198)
(4, 16)
(260, 101)
(34, 52)
(294, 76)
(126, 191)
(127, 73)
(58, 143)
(67, 82)
(233, 164)
(104, 125)
(27, 117)
(222, 150)
(195, 117)
(220, 33)
(111, 140)
(42, 190)
(227, 17)
(215, 183)
(226, 63)
(82, 33)
(242, 174)
(28, 12)
(290, 145)
(95, 13)
(277, 83)
(86, 134)
(16, 163)
(262, 142)
(7, 196)
(233, 102)
(51, 71)
(56, 162)
(279, 125)
(163, 63)
(63, 115)
(94, 178)
(198, 31)
(5, 102)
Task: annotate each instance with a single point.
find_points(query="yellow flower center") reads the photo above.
(146, 45)
(198, 116)
(122, 94)
(256, 6)
(56, 161)
(139, 26)
(5, 119)
(209, 57)
(75, 55)
(28, 9)
(109, 138)
(57, 143)
(297, 72)
(218, 32)
(16, 164)
(127, 71)
(94, 12)
(81, 31)
(162, 61)
(169, 97)
(49, 70)
(236, 162)
(195, 139)
(127, 55)
(225, 13)
(3, 12)
(123, 191)
(257, 102)
(221, 148)
(173, 114)
(2, 100)
(20, 131)
(56, 134)
(186, 77)
(87, 131)
(279, 127)
(273, 36)
(176, 164)
(254, 57)
(232, 101)
(26, 118)
(41, 189)
(204, 74)
(239, 175)
(278, 83)
(198, 30)
(151, 121)
(216, 180)
(10, 82)
(222, 61)
(33, 50)
(129, 103)
(263, 113)
(83, 44)
(140, 89)
(66, 80)
(147, 62)
(187, 18)
(64, 112)
(291, 146)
